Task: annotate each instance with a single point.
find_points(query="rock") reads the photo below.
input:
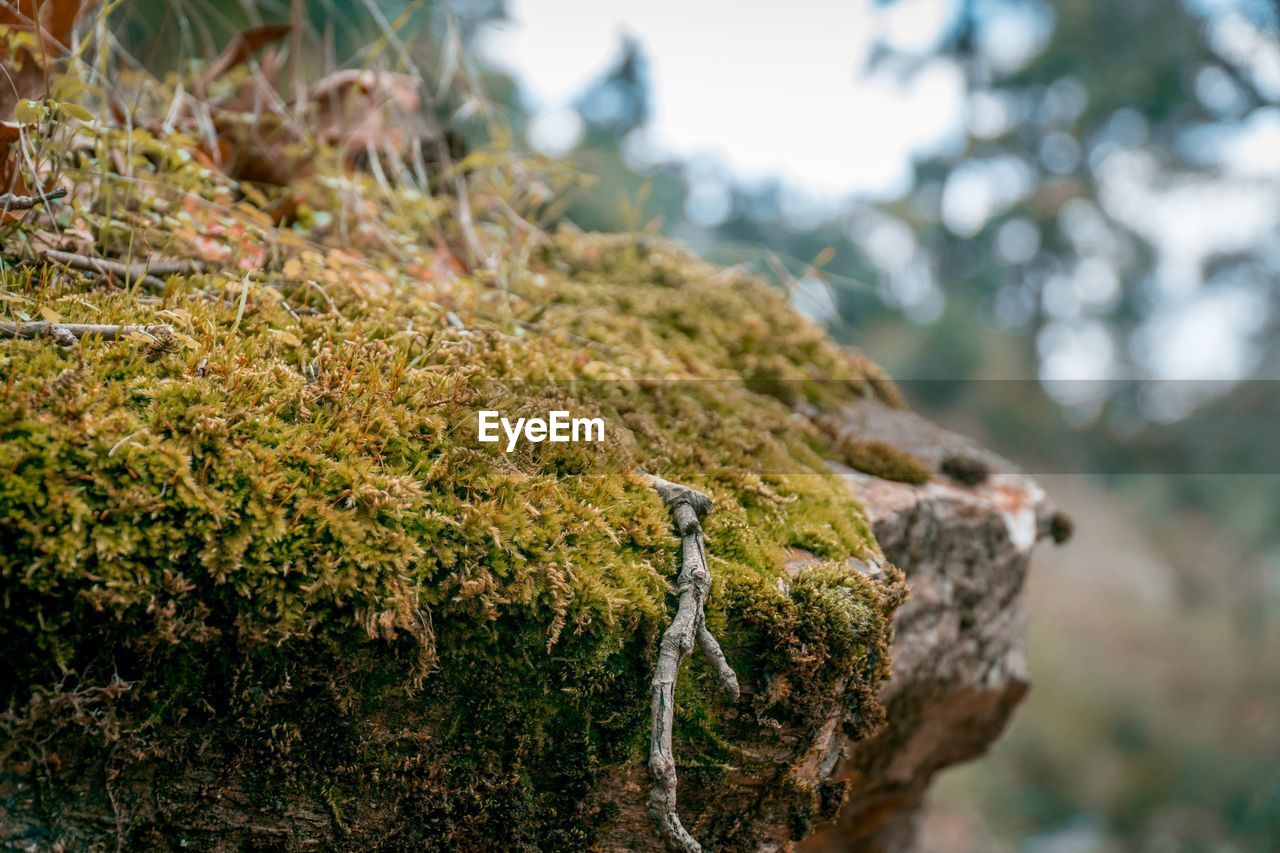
(376, 635)
(959, 663)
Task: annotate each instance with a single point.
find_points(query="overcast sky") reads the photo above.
(768, 90)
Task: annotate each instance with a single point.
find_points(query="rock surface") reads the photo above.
(959, 667)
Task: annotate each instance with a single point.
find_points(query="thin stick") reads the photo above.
(66, 334)
(9, 201)
(123, 270)
(689, 626)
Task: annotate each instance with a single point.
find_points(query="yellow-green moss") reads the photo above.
(284, 536)
(883, 460)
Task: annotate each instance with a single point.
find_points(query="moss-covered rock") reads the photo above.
(261, 583)
(883, 460)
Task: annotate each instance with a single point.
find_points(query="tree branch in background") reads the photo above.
(693, 584)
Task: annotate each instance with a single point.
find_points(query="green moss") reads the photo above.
(1061, 527)
(883, 460)
(280, 531)
(966, 469)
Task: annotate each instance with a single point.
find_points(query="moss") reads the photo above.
(279, 531)
(883, 460)
(966, 469)
(1061, 527)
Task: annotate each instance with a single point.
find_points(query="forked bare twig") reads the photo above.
(693, 584)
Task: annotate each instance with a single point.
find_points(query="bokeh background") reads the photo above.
(1057, 224)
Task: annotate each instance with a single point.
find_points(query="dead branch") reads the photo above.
(141, 269)
(693, 585)
(67, 334)
(9, 201)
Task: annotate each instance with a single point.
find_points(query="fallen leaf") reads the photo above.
(239, 49)
(53, 19)
(364, 109)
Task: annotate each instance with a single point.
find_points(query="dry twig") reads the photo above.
(9, 201)
(144, 271)
(67, 334)
(134, 270)
(693, 584)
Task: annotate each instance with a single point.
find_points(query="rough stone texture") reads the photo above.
(959, 667)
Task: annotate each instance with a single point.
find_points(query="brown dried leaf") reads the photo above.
(237, 51)
(54, 19)
(363, 109)
(60, 17)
